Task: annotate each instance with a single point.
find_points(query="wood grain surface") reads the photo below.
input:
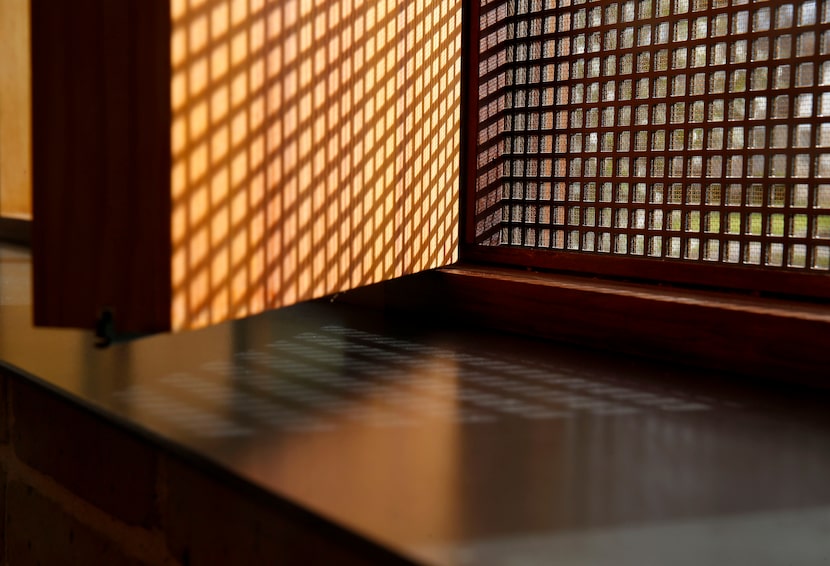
(101, 154)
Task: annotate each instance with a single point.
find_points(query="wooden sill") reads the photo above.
(674, 295)
(752, 336)
(758, 337)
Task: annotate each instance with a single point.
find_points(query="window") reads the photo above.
(251, 153)
(683, 140)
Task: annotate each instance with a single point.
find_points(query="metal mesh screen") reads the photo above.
(684, 130)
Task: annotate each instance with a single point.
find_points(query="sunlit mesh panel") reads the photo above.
(678, 129)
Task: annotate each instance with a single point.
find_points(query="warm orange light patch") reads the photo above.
(315, 148)
(15, 110)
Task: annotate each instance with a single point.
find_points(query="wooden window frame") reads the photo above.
(629, 305)
(775, 281)
(578, 301)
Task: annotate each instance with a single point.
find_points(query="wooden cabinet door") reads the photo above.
(201, 160)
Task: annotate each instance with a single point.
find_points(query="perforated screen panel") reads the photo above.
(681, 130)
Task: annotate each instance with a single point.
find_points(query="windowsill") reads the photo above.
(754, 336)
(478, 445)
(757, 337)
(701, 298)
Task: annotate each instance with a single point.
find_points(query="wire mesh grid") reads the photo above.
(687, 130)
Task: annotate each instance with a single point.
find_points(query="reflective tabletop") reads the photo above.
(451, 445)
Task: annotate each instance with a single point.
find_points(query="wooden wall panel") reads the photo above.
(315, 148)
(430, 129)
(15, 110)
(101, 159)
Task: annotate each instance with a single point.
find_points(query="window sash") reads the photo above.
(599, 148)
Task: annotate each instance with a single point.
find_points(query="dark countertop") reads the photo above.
(451, 445)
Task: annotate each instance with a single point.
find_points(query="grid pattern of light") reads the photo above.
(693, 130)
(315, 148)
